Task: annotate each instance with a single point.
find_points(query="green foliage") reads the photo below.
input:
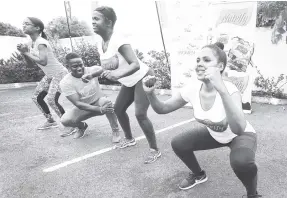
(268, 11)
(14, 70)
(158, 63)
(9, 30)
(271, 87)
(58, 28)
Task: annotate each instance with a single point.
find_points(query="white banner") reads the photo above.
(186, 33)
(234, 25)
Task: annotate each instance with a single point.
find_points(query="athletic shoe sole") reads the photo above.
(128, 145)
(50, 127)
(84, 133)
(154, 159)
(247, 111)
(68, 134)
(197, 182)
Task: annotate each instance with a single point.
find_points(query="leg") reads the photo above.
(242, 160)
(123, 101)
(39, 95)
(54, 94)
(73, 118)
(185, 144)
(112, 118)
(141, 107)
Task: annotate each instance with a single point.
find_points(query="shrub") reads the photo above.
(271, 87)
(159, 64)
(14, 70)
(58, 28)
(8, 30)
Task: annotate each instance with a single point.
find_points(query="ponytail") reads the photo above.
(44, 36)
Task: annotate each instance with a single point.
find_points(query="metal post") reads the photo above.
(161, 33)
(68, 22)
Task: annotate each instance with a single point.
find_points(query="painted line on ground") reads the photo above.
(99, 152)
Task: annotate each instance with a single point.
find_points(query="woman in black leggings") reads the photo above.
(121, 64)
(217, 107)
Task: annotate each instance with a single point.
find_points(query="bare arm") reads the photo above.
(75, 99)
(129, 55)
(43, 55)
(98, 72)
(164, 107)
(233, 109)
(87, 77)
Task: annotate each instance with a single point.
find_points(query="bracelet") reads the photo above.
(101, 109)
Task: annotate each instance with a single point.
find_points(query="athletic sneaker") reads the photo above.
(152, 157)
(48, 125)
(116, 137)
(126, 143)
(252, 196)
(246, 108)
(81, 132)
(70, 132)
(192, 180)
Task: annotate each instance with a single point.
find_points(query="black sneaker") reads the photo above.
(192, 180)
(246, 108)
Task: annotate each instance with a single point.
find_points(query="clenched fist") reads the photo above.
(149, 83)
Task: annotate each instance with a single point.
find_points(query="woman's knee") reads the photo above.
(243, 160)
(51, 101)
(141, 114)
(177, 144)
(118, 109)
(39, 97)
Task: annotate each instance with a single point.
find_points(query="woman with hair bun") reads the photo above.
(217, 107)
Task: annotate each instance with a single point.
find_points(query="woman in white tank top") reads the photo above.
(121, 64)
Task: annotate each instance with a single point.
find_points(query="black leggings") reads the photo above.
(242, 155)
(126, 97)
(43, 104)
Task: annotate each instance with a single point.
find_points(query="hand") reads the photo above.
(107, 108)
(86, 78)
(214, 76)
(19, 47)
(110, 75)
(149, 84)
(22, 48)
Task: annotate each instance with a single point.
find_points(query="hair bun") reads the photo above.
(220, 45)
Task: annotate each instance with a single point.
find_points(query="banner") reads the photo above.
(234, 25)
(186, 33)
